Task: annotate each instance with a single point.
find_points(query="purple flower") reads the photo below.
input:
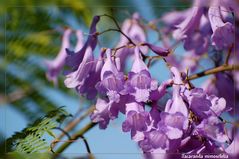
(153, 140)
(80, 39)
(137, 120)
(198, 102)
(222, 85)
(213, 129)
(167, 135)
(77, 77)
(177, 120)
(187, 27)
(195, 145)
(156, 49)
(89, 86)
(74, 59)
(218, 105)
(172, 19)
(176, 104)
(223, 33)
(233, 148)
(112, 81)
(204, 105)
(107, 110)
(135, 31)
(103, 113)
(56, 65)
(139, 81)
(194, 30)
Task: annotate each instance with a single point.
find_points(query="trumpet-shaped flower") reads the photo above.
(56, 65)
(112, 81)
(74, 59)
(223, 33)
(139, 81)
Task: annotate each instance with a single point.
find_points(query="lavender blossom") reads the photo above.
(88, 88)
(221, 86)
(156, 49)
(139, 81)
(112, 81)
(56, 65)
(233, 148)
(223, 33)
(77, 77)
(172, 19)
(213, 129)
(167, 135)
(74, 59)
(176, 104)
(107, 110)
(137, 120)
(103, 113)
(194, 31)
(135, 31)
(181, 117)
(187, 27)
(199, 103)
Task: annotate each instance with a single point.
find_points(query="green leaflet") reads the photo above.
(30, 139)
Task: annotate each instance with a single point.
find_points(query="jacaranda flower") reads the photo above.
(112, 81)
(139, 81)
(74, 59)
(137, 120)
(89, 86)
(223, 32)
(135, 31)
(177, 103)
(77, 77)
(56, 65)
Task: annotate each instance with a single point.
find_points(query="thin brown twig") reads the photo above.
(74, 137)
(118, 27)
(213, 71)
(151, 58)
(53, 143)
(71, 141)
(121, 47)
(73, 123)
(228, 55)
(107, 30)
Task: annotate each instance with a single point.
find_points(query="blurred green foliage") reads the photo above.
(30, 139)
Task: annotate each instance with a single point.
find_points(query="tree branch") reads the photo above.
(118, 27)
(76, 136)
(228, 55)
(214, 70)
(73, 123)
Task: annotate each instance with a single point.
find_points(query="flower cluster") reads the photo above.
(206, 25)
(189, 121)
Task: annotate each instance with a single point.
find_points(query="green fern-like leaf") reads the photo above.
(30, 139)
